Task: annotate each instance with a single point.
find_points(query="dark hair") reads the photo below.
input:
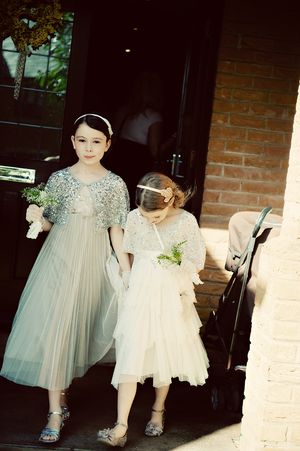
(150, 200)
(94, 121)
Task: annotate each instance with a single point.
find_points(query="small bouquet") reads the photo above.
(38, 196)
(175, 256)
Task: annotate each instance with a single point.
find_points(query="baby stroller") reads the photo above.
(227, 331)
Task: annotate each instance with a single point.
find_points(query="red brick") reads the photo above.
(213, 169)
(243, 199)
(253, 173)
(225, 158)
(288, 139)
(227, 66)
(287, 73)
(253, 69)
(281, 152)
(232, 54)
(247, 121)
(211, 196)
(268, 45)
(259, 161)
(220, 118)
(216, 144)
(279, 59)
(235, 81)
(271, 84)
(283, 99)
(270, 110)
(220, 183)
(244, 147)
(253, 95)
(266, 137)
(263, 187)
(227, 132)
(223, 93)
(229, 106)
(274, 201)
(218, 209)
(280, 125)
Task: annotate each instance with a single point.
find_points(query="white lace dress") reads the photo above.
(157, 333)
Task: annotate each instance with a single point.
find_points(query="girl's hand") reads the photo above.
(126, 278)
(34, 213)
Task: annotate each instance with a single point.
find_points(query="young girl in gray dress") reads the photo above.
(68, 309)
(157, 333)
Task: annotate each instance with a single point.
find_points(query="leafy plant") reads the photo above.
(38, 196)
(175, 256)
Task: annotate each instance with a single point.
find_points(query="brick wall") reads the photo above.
(251, 126)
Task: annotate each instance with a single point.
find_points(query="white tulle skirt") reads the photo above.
(67, 311)
(157, 334)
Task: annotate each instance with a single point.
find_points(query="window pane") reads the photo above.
(31, 126)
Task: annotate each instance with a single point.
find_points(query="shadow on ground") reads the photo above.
(189, 416)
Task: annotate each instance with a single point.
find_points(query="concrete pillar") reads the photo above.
(271, 410)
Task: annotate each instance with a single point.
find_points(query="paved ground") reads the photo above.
(191, 422)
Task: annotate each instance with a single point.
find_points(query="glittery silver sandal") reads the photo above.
(153, 429)
(107, 437)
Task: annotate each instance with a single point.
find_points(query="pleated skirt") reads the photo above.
(68, 309)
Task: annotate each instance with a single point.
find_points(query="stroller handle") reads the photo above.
(260, 220)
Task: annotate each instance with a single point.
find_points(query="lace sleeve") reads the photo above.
(195, 250)
(130, 233)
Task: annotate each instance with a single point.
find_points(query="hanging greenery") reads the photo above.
(30, 24)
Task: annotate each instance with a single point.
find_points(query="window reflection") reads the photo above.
(31, 127)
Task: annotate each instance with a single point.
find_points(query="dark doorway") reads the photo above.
(179, 40)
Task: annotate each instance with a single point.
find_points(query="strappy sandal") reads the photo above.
(52, 432)
(108, 437)
(153, 429)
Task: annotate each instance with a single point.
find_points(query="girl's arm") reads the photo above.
(116, 237)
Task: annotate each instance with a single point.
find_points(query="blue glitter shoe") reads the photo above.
(51, 432)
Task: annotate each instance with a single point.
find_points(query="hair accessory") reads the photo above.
(167, 193)
(100, 117)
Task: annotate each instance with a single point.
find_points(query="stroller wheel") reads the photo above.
(235, 399)
(217, 399)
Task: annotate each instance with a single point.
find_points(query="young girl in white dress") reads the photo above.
(157, 333)
(68, 309)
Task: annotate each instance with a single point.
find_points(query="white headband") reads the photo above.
(167, 193)
(100, 117)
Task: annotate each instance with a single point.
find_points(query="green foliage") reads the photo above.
(38, 196)
(57, 75)
(175, 256)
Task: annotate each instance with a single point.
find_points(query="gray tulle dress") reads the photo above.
(68, 309)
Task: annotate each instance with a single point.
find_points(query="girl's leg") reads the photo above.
(158, 407)
(126, 395)
(54, 420)
(117, 436)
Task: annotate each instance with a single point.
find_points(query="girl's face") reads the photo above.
(156, 216)
(89, 144)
